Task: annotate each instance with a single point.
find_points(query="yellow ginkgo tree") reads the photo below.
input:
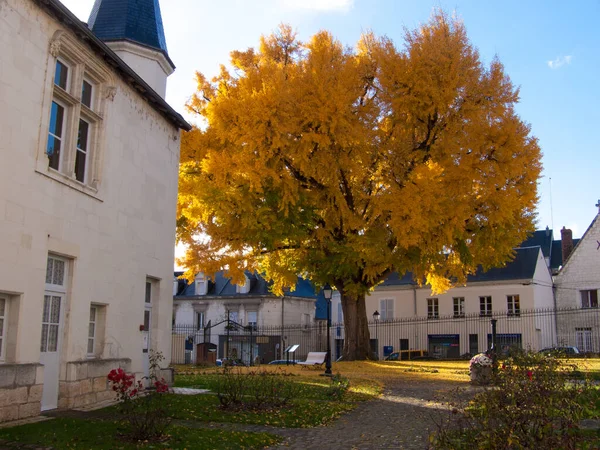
(344, 165)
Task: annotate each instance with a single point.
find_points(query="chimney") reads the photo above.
(566, 243)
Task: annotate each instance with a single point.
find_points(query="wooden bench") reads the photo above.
(314, 359)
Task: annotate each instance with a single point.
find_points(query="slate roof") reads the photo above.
(521, 268)
(541, 238)
(139, 21)
(222, 287)
(57, 10)
(556, 260)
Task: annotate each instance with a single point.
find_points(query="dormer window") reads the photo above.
(201, 284)
(244, 288)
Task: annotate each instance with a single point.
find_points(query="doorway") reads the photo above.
(146, 330)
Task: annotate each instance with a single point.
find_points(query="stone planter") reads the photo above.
(481, 375)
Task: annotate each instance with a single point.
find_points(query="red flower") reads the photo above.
(529, 374)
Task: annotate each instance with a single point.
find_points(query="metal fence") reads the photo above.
(445, 337)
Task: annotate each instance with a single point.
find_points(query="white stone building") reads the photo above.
(88, 189)
(203, 309)
(577, 287)
(457, 322)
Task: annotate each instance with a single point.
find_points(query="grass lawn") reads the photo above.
(101, 434)
(311, 405)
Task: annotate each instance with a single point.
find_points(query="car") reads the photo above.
(561, 351)
(407, 355)
(284, 361)
(230, 362)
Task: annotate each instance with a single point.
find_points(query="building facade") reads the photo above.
(87, 201)
(246, 322)
(458, 322)
(577, 287)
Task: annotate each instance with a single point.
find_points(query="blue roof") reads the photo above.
(540, 238)
(321, 307)
(222, 286)
(556, 259)
(134, 20)
(520, 268)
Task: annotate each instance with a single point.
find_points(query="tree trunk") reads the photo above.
(356, 339)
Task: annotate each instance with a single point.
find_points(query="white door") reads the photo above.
(147, 326)
(50, 348)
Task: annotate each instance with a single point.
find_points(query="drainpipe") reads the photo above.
(415, 301)
(281, 344)
(415, 315)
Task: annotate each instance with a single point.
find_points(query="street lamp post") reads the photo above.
(376, 317)
(327, 292)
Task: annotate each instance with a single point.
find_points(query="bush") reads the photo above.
(142, 408)
(257, 389)
(338, 387)
(534, 404)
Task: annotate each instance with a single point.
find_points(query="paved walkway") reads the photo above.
(402, 418)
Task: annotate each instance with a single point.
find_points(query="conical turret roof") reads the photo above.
(138, 21)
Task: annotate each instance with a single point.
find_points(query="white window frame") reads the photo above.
(199, 320)
(458, 305)
(250, 322)
(513, 305)
(244, 288)
(233, 316)
(200, 284)
(93, 330)
(305, 320)
(588, 298)
(386, 308)
(433, 308)
(583, 338)
(53, 289)
(485, 305)
(3, 326)
(51, 265)
(83, 65)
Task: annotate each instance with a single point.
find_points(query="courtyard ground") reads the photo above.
(402, 417)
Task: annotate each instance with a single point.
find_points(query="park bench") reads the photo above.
(314, 359)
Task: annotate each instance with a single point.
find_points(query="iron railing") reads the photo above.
(445, 337)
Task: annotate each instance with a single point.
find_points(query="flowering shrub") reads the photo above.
(534, 404)
(142, 408)
(255, 389)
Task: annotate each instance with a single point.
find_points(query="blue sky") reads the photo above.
(550, 49)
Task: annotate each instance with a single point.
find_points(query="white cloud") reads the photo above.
(320, 5)
(560, 61)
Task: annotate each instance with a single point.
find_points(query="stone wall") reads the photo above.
(86, 382)
(20, 390)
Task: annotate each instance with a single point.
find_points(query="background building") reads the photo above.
(247, 322)
(577, 287)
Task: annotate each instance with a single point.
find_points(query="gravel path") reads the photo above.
(402, 418)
